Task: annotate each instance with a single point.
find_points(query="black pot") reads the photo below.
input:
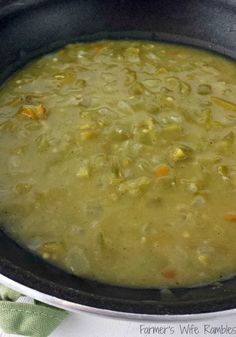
(29, 28)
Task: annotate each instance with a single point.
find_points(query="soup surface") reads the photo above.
(118, 162)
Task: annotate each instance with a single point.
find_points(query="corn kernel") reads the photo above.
(178, 154)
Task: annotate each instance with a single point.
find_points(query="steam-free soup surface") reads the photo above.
(118, 162)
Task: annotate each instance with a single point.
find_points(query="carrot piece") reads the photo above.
(169, 274)
(28, 112)
(34, 112)
(162, 170)
(230, 217)
(98, 49)
(41, 112)
(173, 52)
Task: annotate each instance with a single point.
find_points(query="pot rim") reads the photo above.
(76, 307)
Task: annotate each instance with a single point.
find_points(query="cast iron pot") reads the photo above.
(29, 28)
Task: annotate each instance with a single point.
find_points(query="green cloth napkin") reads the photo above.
(35, 319)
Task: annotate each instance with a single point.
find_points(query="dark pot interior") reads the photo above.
(29, 28)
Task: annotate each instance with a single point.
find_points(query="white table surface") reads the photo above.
(86, 325)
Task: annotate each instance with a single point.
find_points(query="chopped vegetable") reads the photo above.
(169, 274)
(223, 171)
(162, 170)
(34, 112)
(204, 89)
(193, 187)
(223, 103)
(185, 88)
(52, 250)
(178, 154)
(135, 186)
(23, 188)
(198, 201)
(173, 130)
(88, 135)
(230, 217)
(204, 259)
(83, 172)
(98, 49)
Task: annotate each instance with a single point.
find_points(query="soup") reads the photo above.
(118, 162)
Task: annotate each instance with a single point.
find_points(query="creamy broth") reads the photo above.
(118, 162)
